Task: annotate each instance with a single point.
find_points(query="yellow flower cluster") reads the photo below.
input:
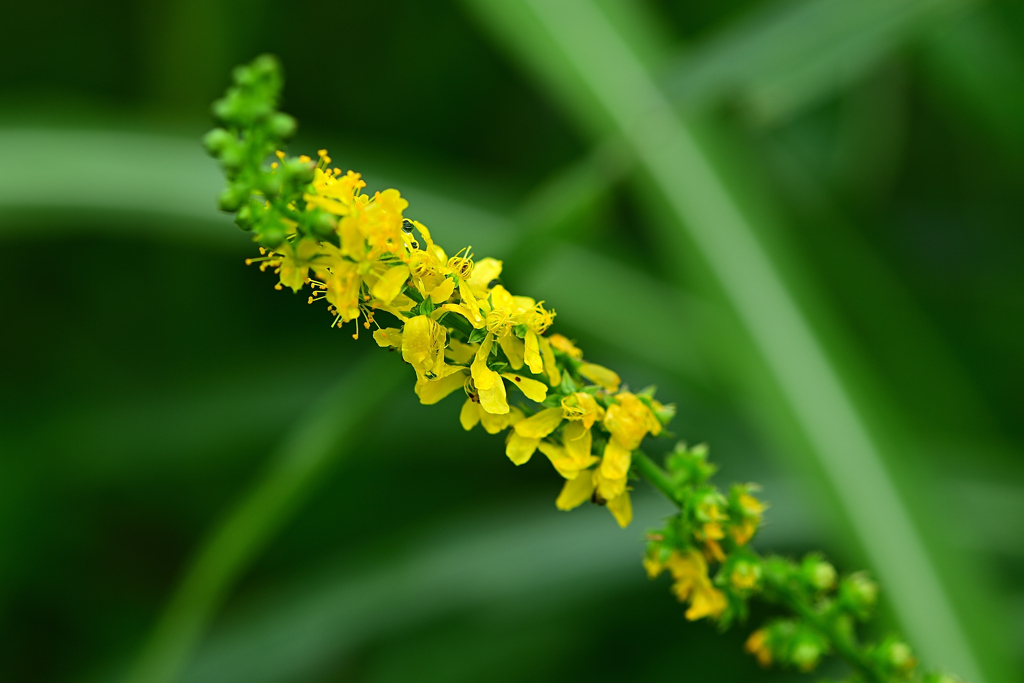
(690, 581)
(461, 329)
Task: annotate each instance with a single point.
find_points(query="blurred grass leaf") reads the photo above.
(315, 444)
(790, 55)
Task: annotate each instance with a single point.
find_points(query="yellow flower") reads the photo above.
(582, 406)
(333, 192)
(609, 488)
(565, 346)
(711, 532)
(757, 645)
(488, 384)
(629, 420)
(744, 575)
(752, 510)
(423, 346)
(294, 260)
(582, 488)
(566, 465)
(459, 352)
(691, 582)
(472, 413)
(388, 337)
(430, 391)
(706, 601)
(485, 272)
(541, 424)
(390, 283)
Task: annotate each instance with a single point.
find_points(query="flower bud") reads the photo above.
(897, 657)
(818, 574)
(216, 140)
(272, 234)
(282, 125)
(321, 223)
(244, 218)
(806, 652)
(231, 198)
(859, 594)
(300, 171)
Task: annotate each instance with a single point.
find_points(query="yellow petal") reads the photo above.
(388, 336)
(577, 440)
(443, 291)
(565, 346)
(565, 465)
(460, 353)
(423, 344)
(484, 272)
(501, 299)
(532, 353)
(622, 509)
(470, 302)
(540, 425)
(707, 601)
(601, 376)
(493, 424)
(493, 399)
(520, 448)
(390, 283)
(514, 416)
(550, 366)
(575, 492)
(469, 415)
(609, 489)
(513, 348)
(432, 391)
(616, 460)
(483, 376)
(476, 321)
(534, 390)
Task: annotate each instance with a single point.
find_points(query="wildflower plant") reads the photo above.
(463, 332)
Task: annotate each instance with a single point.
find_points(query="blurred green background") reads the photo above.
(801, 219)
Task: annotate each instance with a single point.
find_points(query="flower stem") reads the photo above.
(656, 476)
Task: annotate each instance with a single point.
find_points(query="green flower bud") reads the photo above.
(272, 185)
(896, 656)
(216, 140)
(806, 652)
(244, 218)
(282, 126)
(224, 109)
(231, 198)
(859, 594)
(818, 574)
(232, 156)
(321, 223)
(272, 233)
(243, 75)
(299, 171)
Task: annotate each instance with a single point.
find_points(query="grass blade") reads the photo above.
(313, 445)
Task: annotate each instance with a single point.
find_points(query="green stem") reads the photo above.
(656, 476)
